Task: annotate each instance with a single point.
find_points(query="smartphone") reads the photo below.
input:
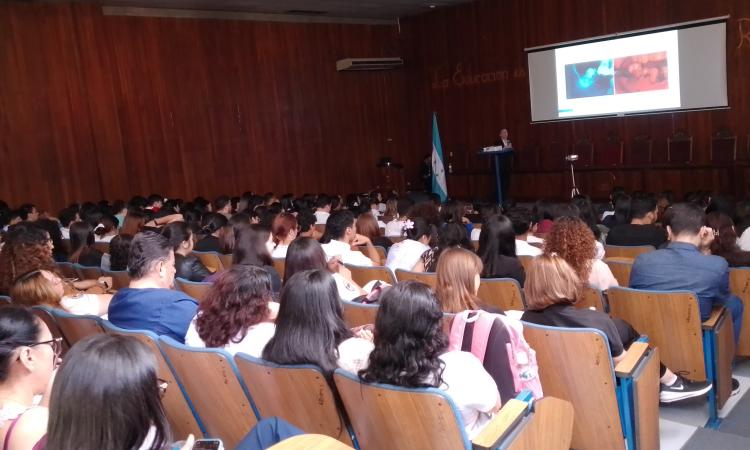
(208, 444)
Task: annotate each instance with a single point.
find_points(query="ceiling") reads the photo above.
(356, 9)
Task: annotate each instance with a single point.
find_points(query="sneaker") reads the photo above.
(735, 386)
(682, 389)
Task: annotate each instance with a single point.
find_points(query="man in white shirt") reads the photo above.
(341, 230)
(322, 209)
(521, 219)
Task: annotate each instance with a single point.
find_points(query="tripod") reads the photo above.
(572, 159)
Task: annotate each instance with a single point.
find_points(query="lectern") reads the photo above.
(497, 153)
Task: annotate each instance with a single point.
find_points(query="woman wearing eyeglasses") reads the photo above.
(28, 357)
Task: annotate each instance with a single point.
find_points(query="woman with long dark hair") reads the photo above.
(28, 356)
(407, 254)
(307, 254)
(82, 249)
(237, 313)
(411, 351)
(187, 265)
(497, 250)
(119, 251)
(310, 328)
(725, 240)
(253, 245)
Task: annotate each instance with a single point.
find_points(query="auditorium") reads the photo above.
(374, 225)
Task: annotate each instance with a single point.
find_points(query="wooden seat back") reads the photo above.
(298, 394)
(211, 260)
(739, 285)
(45, 314)
(77, 327)
(428, 278)
(592, 298)
(390, 417)
(626, 251)
(621, 268)
(120, 278)
(363, 274)
(575, 365)
(67, 270)
(280, 265)
(503, 293)
(102, 246)
(357, 314)
(182, 421)
(210, 380)
(87, 272)
(672, 322)
(381, 253)
(195, 289)
(227, 260)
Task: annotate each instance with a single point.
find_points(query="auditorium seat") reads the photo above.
(616, 406)
(45, 314)
(211, 260)
(87, 272)
(227, 260)
(179, 412)
(381, 253)
(75, 327)
(680, 148)
(364, 274)
(357, 314)
(626, 251)
(390, 417)
(102, 246)
(621, 268)
(592, 298)
(739, 285)
(67, 270)
(280, 265)
(503, 293)
(671, 320)
(212, 384)
(195, 289)
(120, 278)
(428, 278)
(299, 394)
(723, 147)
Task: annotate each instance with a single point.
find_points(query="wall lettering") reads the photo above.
(744, 24)
(464, 76)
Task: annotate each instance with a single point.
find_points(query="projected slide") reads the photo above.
(629, 74)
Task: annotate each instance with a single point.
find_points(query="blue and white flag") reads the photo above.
(439, 186)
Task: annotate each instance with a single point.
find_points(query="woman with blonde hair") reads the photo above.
(46, 288)
(552, 288)
(573, 240)
(458, 272)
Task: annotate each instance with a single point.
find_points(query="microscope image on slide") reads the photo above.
(590, 79)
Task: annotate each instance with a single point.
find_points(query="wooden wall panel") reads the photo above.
(467, 63)
(95, 106)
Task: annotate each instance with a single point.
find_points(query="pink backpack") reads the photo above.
(521, 357)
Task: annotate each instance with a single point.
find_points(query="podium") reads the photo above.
(497, 153)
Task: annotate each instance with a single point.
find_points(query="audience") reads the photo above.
(395, 226)
(28, 357)
(310, 328)
(322, 209)
(26, 247)
(237, 313)
(284, 230)
(641, 229)
(682, 266)
(149, 303)
(573, 240)
(341, 235)
(725, 240)
(621, 214)
(119, 251)
(214, 227)
(553, 287)
(450, 235)
(458, 280)
(187, 265)
(369, 226)
(407, 254)
(45, 288)
(106, 229)
(411, 351)
(497, 250)
(82, 249)
(521, 220)
(253, 247)
(307, 254)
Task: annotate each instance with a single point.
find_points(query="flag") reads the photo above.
(439, 186)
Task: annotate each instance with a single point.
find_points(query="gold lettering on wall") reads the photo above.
(744, 25)
(464, 76)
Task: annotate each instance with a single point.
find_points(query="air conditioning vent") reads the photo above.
(368, 64)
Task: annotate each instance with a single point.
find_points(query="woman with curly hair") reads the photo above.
(237, 313)
(725, 240)
(411, 351)
(27, 247)
(574, 241)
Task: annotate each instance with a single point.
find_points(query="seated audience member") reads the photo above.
(253, 247)
(116, 378)
(26, 247)
(541, 215)
(641, 229)
(28, 357)
(237, 313)
(284, 230)
(187, 265)
(407, 254)
(411, 351)
(521, 220)
(82, 249)
(458, 280)
(66, 217)
(587, 214)
(663, 201)
(391, 211)
(149, 303)
(213, 227)
(485, 212)
(449, 235)
(106, 229)
(497, 250)
(29, 212)
(45, 288)
(119, 251)
(395, 226)
(59, 251)
(134, 222)
(307, 254)
(341, 235)
(368, 226)
(310, 328)
(573, 240)
(616, 192)
(725, 240)
(222, 205)
(322, 209)
(621, 215)
(553, 287)
(682, 266)
(306, 222)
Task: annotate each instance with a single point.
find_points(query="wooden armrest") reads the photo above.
(713, 319)
(510, 415)
(635, 353)
(621, 259)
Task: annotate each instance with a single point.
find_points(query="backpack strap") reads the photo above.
(481, 335)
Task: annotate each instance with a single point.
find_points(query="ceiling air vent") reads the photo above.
(368, 64)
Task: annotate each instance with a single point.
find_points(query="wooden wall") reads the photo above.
(467, 63)
(93, 106)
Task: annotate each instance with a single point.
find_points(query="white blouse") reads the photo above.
(405, 254)
(253, 343)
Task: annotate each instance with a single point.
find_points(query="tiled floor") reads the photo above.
(678, 423)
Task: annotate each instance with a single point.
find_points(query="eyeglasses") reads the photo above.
(162, 385)
(55, 343)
